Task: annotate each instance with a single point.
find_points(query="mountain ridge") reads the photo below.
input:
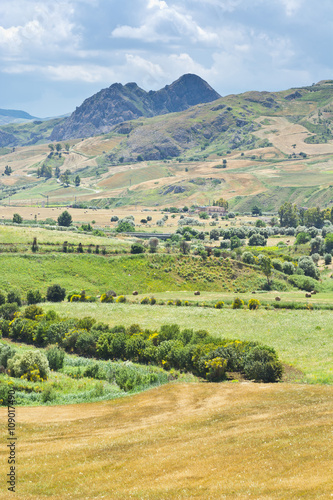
(107, 108)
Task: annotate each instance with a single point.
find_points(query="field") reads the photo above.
(216, 441)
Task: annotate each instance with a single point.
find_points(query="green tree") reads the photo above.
(8, 170)
(17, 219)
(314, 217)
(266, 267)
(65, 219)
(288, 214)
(67, 146)
(256, 210)
(77, 180)
(58, 147)
(57, 172)
(64, 178)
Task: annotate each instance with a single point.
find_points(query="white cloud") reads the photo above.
(166, 23)
(291, 6)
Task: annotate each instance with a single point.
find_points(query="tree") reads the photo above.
(328, 246)
(17, 219)
(308, 266)
(77, 180)
(288, 214)
(257, 240)
(184, 246)
(235, 242)
(64, 178)
(137, 248)
(45, 171)
(55, 293)
(67, 146)
(58, 147)
(8, 170)
(266, 267)
(314, 217)
(125, 227)
(57, 172)
(256, 210)
(153, 244)
(221, 202)
(51, 146)
(65, 219)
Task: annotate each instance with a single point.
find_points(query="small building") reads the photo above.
(212, 210)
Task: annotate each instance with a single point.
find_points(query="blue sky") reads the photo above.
(54, 54)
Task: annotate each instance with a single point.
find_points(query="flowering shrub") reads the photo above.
(237, 303)
(219, 304)
(253, 304)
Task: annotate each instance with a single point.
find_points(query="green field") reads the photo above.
(303, 339)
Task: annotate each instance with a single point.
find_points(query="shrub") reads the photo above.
(34, 297)
(217, 252)
(32, 311)
(6, 352)
(14, 296)
(315, 257)
(2, 297)
(7, 311)
(145, 300)
(304, 282)
(308, 266)
(55, 293)
(248, 258)
(105, 297)
(237, 303)
(257, 240)
(17, 219)
(65, 219)
(55, 356)
(4, 391)
(302, 238)
(178, 302)
(288, 268)
(277, 264)
(121, 299)
(152, 301)
(114, 218)
(219, 304)
(328, 245)
(137, 248)
(328, 258)
(31, 365)
(253, 304)
(153, 244)
(262, 364)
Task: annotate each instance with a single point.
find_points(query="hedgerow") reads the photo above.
(169, 347)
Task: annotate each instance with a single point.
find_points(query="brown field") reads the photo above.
(180, 441)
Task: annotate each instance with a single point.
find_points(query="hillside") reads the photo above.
(274, 147)
(118, 103)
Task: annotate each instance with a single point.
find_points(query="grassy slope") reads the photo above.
(302, 339)
(200, 441)
(147, 274)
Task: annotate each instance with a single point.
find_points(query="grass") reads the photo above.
(215, 441)
(145, 273)
(302, 339)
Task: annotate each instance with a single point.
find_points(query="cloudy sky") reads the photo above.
(54, 54)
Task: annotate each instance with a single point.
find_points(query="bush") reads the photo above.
(55, 356)
(55, 293)
(178, 302)
(315, 257)
(253, 304)
(216, 369)
(302, 238)
(257, 240)
(152, 301)
(6, 352)
(328, 258)
(219, 304)
(17, 219)
(288, 268)
(262, 364)
(145, 300)
(121, 299)
(2, 297)
(217, 252)
(31, 365)
(304, 282)
(32, 311)
(137, 248)
(7, 311)
(277, 264)
(308, 266)
(328, 245)
(65, 219)
(237, 303)
(14, 296)
(106, 297)
(34, 297)
(248, 258)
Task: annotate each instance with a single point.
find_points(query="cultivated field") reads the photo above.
(216, 441)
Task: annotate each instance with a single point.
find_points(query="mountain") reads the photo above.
(118, 103)
(14, 116)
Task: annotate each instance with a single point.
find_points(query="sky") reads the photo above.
(54, 54)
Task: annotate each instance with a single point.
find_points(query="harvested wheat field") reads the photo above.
(180, 441)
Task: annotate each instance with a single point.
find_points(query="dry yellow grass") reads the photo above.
(207, 441)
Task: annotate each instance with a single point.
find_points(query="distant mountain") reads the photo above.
(14, 116)
(118, 103)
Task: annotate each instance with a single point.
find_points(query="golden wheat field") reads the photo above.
(180, 441)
